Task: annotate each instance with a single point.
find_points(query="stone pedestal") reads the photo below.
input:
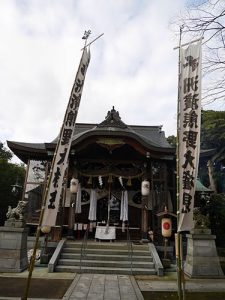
(202, 260)
(13, 249)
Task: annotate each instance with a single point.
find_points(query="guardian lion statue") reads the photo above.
(17, 213)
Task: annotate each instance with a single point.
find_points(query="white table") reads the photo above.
(105, 233)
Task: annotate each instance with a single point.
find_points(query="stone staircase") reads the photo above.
(106, 258)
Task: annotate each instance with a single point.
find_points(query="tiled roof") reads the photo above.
(148, 136)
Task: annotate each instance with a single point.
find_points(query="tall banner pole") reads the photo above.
(61, 154)
(177, 236)
(188, 142)
(59, 164)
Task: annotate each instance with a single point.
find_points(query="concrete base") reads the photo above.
(13, 249)
(202, 260)
(14, 223)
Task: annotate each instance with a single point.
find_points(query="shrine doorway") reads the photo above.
(108, 208)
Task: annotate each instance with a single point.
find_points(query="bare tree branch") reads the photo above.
(208, 19)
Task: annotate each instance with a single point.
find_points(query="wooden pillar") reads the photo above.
(71, 219)
(71, 216)
(144, 219)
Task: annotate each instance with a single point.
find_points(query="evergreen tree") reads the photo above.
(213, 129)
(9, 175)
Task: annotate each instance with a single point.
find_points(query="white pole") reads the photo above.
(201, 38)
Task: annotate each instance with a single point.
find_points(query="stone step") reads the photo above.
(109, 264)
(101, 245)
(105, 270)
(106, 257)
(106, 251)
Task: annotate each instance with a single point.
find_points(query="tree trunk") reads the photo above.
(211, 179)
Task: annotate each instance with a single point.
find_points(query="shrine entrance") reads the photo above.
(109, 208)
(108, 211)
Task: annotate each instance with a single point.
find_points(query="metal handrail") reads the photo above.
(84, 247)
(130, 249)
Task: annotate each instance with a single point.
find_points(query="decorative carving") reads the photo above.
(16, 214)
(113, 120)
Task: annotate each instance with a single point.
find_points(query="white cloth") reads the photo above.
(121, 206)
(79, 226)
(102, 234)
(125, 209)
(93, 206)
(78, 200)
(124, 206)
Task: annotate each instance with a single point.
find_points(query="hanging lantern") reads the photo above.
(129, 182)
(145, 188)
(46, 229)
(166, 227)
(74, 185)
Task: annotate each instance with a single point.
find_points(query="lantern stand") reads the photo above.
(166, 227)
(145, 190)
(73, 191)
(166, 261)
(165, 247)
(45, 255)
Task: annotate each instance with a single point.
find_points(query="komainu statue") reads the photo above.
(17, 214)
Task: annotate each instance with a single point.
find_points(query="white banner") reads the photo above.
(189, 131)
(59, 163)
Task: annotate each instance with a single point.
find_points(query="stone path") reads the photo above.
(103, 287)
(191, 285)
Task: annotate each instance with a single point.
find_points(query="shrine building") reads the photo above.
(108, 159)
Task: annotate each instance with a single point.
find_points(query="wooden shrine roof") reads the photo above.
(150, 137)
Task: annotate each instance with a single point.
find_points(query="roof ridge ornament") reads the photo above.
(112, 120)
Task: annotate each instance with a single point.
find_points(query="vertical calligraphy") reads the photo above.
(64, 142)
(189, 131)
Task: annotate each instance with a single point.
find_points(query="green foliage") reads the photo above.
(172, 140)
(9, 174)
(213, 137)
(214, 208)
(213, 129)
(5, 154)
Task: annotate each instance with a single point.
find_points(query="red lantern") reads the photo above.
(166, 227)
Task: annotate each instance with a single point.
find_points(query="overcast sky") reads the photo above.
(133, 66)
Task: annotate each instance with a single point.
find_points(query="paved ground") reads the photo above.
(103, 287)
(115, 287)
(47, 286)
(193, 285)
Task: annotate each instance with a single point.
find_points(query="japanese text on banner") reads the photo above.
(189, 131)
(64, 143)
